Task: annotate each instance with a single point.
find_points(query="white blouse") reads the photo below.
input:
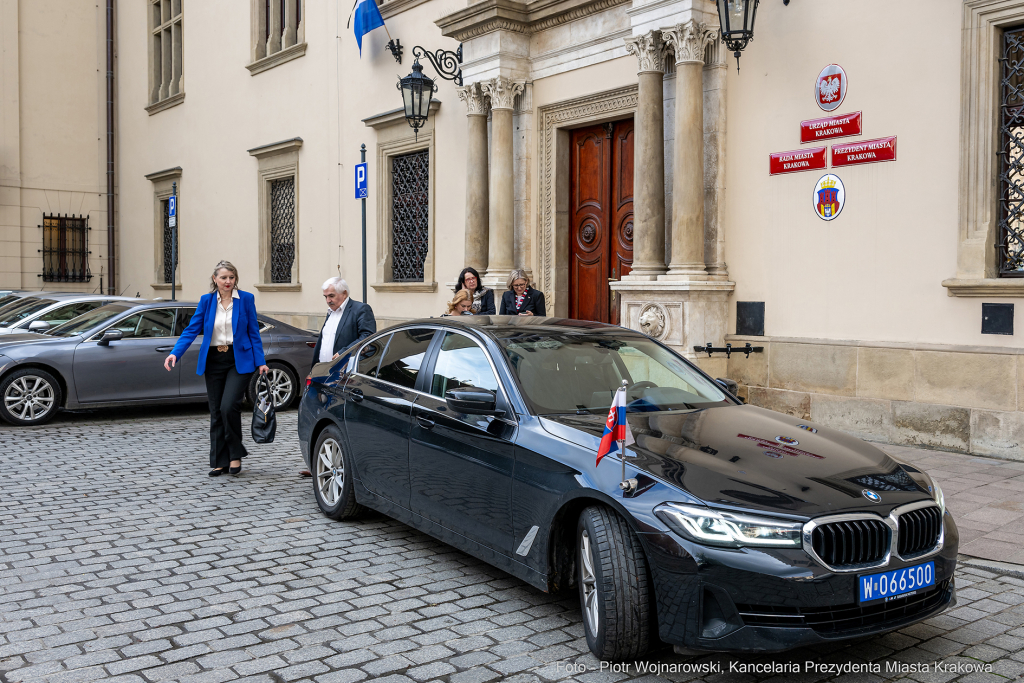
(222, 334)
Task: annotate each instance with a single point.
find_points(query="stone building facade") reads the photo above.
(614, 150)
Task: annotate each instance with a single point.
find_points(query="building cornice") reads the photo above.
(518, 17)
(292, 145)
(395, 115)
(166, 174)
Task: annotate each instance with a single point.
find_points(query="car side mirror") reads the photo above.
(109, 336)
(729, 385)
(472, 401)
(38, 326)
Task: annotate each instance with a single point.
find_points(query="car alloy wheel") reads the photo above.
(283, 383)
(30, 397)
(332, 481)
(614, 586)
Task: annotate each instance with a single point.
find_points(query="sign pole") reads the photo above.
(362, 161)
(172, 221)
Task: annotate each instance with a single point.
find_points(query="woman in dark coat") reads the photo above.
(521, 299)
(483, 297)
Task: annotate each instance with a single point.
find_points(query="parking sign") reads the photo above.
(361, 192)
(172, 211)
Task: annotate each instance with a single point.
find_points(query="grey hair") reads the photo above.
(517, 274)
(337, 284)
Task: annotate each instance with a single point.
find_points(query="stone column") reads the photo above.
(476, 177)
(290, 26)
(688, 40)
(502, 92)
(276, 22)
(649, 159)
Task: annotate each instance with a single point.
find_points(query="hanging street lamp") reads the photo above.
(736, 18)
(418, 90)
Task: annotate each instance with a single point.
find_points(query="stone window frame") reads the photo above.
(163, 183)
(976, 272)
(264, 56)
(396, 138)
(172, 54)
(275, 161)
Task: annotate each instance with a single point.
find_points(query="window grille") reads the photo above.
(66, 249)
(1010, 244)
(168, 259)
(282, 26)
(282, 229)
(165, 27)
(410, 209)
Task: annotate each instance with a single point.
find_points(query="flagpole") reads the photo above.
(626, 485)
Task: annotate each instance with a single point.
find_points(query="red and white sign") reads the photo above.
(830, 88)
(867, 152)
(829, 127)
(798, 160)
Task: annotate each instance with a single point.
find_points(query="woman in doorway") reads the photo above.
(521, 299)
(231, 351)
(483, 297)
(461, 304)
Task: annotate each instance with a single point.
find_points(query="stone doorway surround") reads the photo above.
(554, 121)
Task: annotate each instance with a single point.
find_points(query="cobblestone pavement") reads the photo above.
(120, 560)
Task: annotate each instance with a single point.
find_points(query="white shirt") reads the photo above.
(222, 334)
(330, 332)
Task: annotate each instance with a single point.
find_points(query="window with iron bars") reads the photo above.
(168, 254)
(65, 249)
(282, 229)
(1010, 239)
(410, 213)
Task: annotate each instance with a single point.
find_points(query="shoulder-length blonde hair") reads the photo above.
(517, 274)
(460, 296)
(222, 265)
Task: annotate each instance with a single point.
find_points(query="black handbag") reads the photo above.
(264, 419)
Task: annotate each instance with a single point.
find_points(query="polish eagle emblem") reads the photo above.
(829, 87)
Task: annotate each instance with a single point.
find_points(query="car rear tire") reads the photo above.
(29, 397)
(613, 585)
(284, 385)
(332, 477)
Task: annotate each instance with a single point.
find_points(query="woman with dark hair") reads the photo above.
(521, 299)
(231, 351)
(483, 297)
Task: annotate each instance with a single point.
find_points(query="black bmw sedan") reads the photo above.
(734, 528)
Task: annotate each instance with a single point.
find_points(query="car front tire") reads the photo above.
(29, 397)
(613, 585)
(284, 385)
(332, 477)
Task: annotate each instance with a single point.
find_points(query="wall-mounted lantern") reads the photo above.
(418, 89)
(736, 18)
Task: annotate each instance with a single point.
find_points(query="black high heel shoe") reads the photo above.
(217, 472)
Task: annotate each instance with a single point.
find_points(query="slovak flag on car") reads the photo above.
(615, 427)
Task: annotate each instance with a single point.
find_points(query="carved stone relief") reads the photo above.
(502, 91)
(653, 320)
(689, 40)
(649, 51)
(475, 99)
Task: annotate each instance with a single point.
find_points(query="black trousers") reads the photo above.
(225, 388)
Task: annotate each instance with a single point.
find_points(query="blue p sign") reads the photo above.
(361, 192)
(172, 211)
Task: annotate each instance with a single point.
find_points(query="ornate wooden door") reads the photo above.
(601, 217)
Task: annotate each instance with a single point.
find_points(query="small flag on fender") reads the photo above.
(615, 427)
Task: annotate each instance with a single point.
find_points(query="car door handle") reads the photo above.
(164, 349)
(356, 395)
(425, 423)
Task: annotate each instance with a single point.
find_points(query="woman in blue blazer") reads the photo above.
(231, 351)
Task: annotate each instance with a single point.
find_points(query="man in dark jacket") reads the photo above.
(348, 321)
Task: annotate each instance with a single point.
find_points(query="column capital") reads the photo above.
(649, 50)
(502, 91)
(689, 40)
(475, 99)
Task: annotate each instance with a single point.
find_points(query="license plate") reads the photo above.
(897, 583)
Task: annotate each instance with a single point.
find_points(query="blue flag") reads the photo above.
(367, 18)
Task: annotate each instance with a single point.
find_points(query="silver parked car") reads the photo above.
(113, 356)
(40, 311)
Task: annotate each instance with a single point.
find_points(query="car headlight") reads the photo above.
(939, 497)
(729, 529)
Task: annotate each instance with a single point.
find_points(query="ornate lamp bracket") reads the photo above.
(448, 64)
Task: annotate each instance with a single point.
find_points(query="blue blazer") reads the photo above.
(245, 330)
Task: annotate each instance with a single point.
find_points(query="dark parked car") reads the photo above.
(113, 356)
(745, 529)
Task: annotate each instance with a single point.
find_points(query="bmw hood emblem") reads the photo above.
(872, 496)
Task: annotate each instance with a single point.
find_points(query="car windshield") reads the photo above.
(574, 373)
(86, 322)
(8, 299)
(26, 307)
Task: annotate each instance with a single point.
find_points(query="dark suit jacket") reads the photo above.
(533, 303)
(357, 322)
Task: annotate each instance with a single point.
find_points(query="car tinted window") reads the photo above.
(8, 299)
(88, 321)
(23, 309)
(184, 318)
(69, 312)
(565, 373)
(148, 324)
(403, 357)
(369, 357)
(461, 363)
